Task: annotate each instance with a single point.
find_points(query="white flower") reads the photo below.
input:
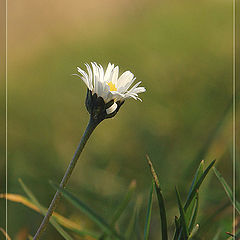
(109, 85)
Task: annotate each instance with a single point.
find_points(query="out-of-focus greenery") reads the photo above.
(185, 227)
(181, 51)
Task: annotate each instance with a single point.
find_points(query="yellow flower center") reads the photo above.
(112, 86)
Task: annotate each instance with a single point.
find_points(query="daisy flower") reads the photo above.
(109, 86)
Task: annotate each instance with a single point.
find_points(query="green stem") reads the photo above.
(91, 126)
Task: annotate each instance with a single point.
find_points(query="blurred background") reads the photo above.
(182, 53)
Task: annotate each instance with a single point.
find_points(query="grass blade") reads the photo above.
(197, 185)
(194, 231)
(183, 220)
(124, 203)
(227, 189)
(160, 201)
(216, 236)
(178, 228)
(149, 213)
(137, 228)
(89, 212)
(5, 234)
(214, 216)
(194, 215)
(212, 137)
(196, 178)
(132, 224)
(70, 225)
(64, 234)
(122, 206)
(190, 204)
(192, 210)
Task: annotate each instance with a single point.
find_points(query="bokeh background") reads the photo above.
(182, 53)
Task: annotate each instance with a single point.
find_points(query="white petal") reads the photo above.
(135, 86)
(95, 77)
(100, 89)
(125, 87)
(101, 73)
(108, 72)
(115, 75)
(82, 72)
(129, 95)
(133, 92)
(125, 78)
(117, 96)
(105, 91)
(139, 90)
(129, 84)
(85, 80)
(89, 76)
(112, 108)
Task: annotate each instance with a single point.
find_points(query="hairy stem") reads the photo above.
(91, 126)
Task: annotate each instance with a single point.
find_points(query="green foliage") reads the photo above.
(148, 216)
(196, 184)
(185, 227)
(161, 204)
(194, 214)
(229, 193)
(64, 234)
(216, 236)
(88, 211)
(132, 229)
(121, 207)
(183, 220)
(57, 219)
(124, 203)
(227, 189)
(185, 224)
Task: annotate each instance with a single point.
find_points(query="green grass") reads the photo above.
(185, 226)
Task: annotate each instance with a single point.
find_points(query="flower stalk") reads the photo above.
(106, 93)
(92, 124)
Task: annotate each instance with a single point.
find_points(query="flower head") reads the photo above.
(109, 86)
